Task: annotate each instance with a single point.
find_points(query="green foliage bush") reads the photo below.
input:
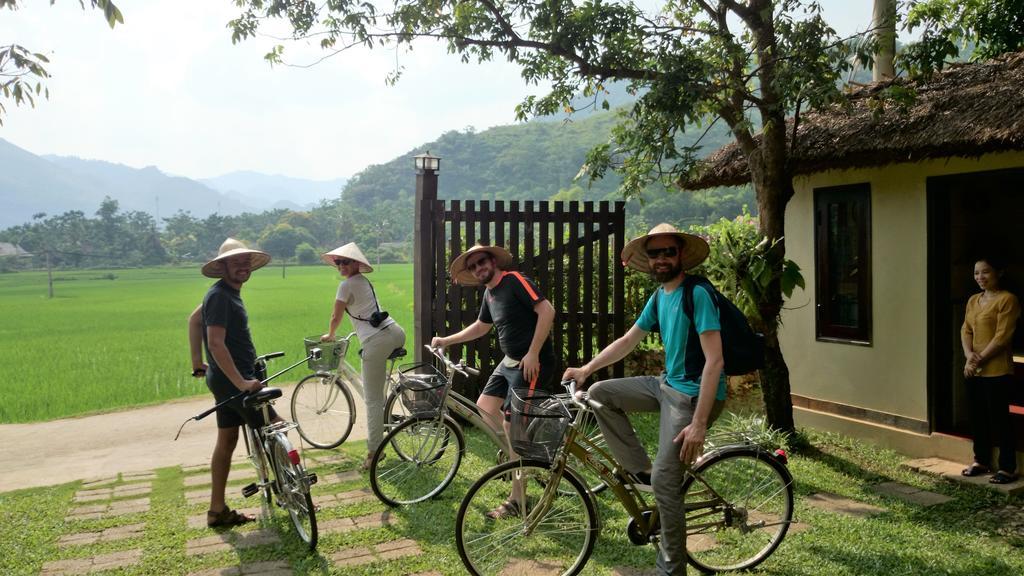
(740, 264)
(306, 254)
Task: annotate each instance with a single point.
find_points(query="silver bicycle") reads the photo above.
(424, 445)
(280, 473)
(322, 403)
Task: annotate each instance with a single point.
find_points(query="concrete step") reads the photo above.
(951, 471)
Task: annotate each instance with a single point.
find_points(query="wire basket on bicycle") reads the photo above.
(423, 389)
(538, 424)
(332, 353)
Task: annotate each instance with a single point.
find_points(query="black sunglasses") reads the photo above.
(471, 266)
(667, 252)
(341, 262)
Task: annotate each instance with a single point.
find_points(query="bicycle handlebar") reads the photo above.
(314, 354)
(584, 401)
(459, 367)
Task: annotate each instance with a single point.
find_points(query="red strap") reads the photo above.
(526, 285)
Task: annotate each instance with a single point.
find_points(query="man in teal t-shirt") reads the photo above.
(687, 406)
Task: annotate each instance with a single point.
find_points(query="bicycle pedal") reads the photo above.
(311, 478)
(250, 490)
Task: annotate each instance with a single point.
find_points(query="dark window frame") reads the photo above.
(826, 327)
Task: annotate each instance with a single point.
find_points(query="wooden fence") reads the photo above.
(570, 249)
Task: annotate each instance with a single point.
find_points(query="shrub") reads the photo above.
(306, 254)
(740, 264)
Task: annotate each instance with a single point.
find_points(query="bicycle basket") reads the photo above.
(538, 424)
(423, 389)
(331, 353)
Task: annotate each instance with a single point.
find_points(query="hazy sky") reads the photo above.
(169, 89)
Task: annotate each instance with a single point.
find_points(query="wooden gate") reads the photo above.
(571, 250)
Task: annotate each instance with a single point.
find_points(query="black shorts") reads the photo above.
(233, 414)
(505, 377)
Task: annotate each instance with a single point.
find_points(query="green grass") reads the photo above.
(960, 537)
(118, 338)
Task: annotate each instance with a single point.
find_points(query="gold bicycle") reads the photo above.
(738, 498)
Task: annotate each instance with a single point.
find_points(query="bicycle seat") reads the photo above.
(261, 397)
(397, 353)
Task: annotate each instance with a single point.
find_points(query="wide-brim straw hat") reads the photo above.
(460, 275)
(694, 251)
(232, 247)
(350, 252)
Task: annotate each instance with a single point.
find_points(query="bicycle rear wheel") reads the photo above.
(394, 412)
(258, 458)
(293, 495)
(416, 460)
(560, 542)
(323, 409)
(741, 515)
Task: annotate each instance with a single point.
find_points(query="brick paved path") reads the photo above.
(107, 519)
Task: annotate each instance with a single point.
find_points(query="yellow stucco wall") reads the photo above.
(889, 375)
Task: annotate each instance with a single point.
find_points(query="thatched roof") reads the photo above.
(8, 249)
(964, 111)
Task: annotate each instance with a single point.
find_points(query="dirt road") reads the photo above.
(70, 449)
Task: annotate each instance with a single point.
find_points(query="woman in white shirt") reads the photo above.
(378, 337)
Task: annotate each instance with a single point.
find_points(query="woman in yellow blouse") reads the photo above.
(986, 336)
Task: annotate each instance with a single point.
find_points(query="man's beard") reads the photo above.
(488, 277)
(667, 275)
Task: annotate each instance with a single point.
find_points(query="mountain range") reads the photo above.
(31, 184)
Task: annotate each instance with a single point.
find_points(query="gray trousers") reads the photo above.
(651, 394)
(375, 357)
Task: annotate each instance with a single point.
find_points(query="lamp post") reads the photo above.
(426, 167)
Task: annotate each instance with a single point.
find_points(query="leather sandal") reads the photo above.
(974, 469)
(227, 518)
(507, 509)
(1001, 477)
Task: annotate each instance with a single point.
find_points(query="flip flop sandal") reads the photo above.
(1002, 478)
(226, 518)
(974, 470)
(507, 509)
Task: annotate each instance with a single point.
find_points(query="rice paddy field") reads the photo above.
(111, 339)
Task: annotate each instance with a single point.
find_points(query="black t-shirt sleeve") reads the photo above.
(216, 309)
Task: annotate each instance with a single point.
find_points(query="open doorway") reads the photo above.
(969, 215)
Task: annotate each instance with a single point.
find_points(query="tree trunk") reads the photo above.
(883, 24)
(774, 187)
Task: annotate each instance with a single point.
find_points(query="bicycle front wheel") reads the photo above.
(323, 409)
(293, 495)
(591, 430)
(741, 511)
(417, 460)
(555, 536)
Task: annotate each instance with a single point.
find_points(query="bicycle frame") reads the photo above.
(602, 463)
(263, 435)
(467, 409)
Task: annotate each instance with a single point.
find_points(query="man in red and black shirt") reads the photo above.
(520, 313)
(514, 305)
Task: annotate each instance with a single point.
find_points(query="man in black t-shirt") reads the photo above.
(521, 314)
(222, 324)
